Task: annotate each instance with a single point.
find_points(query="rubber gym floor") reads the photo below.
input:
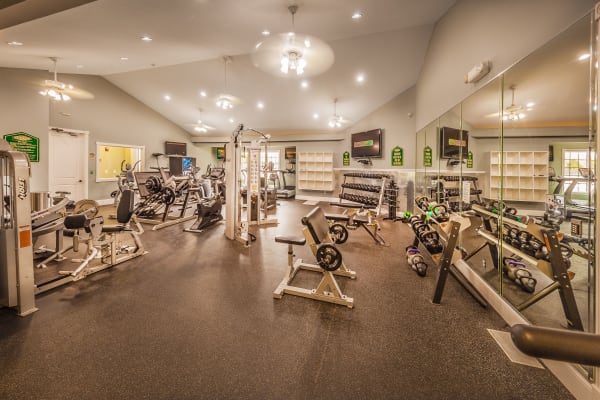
(195, 319)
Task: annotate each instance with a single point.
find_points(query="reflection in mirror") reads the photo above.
(112, 160)
(548, 176)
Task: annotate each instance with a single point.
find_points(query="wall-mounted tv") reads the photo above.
(453, 144)
(290, 153)
(366, 144)
(220, 153)
(176, 148)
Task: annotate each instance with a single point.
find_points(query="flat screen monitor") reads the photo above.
(366, 144)
(453, 144)
(179, 166)
(290, 153)
(175, 148)
(220, 153)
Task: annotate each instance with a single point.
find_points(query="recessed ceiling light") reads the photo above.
(360, 78)
(14, 43)
(167, 97)
(266, 32)
(260, 105)
(306, 43)
(357, 15)
(202, 93)
(316, 116)
(231, 120)
(530, 104)
(124, 58)
(146, 38)
(584, 57)
(304, 84)
(79, 66)
(69, 86)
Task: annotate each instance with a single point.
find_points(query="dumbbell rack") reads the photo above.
(449, 232)
(556, 269)
(446, 187)
(364, 188)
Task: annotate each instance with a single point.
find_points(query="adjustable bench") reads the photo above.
(329, 262)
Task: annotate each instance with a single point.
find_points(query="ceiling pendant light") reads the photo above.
(226, 101)
(293, 54)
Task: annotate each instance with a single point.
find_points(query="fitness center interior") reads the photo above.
(280, 199)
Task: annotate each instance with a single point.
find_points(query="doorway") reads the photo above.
(68, 162)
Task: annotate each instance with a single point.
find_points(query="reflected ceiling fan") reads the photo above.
(61, 91)
(336, 120)
(513, 112)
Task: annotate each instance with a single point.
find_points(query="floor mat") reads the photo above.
(506, 344)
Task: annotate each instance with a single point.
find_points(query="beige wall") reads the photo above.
(476, 30)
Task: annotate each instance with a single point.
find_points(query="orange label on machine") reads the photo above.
(25, 238)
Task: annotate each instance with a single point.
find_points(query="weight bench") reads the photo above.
(329, 262)
(353, 222)
(93, 228)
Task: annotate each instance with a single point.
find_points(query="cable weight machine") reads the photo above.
(17, 287)
(249, 144)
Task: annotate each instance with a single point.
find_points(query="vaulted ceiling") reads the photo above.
(191, 37)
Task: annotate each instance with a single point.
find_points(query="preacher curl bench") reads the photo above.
(329, 262)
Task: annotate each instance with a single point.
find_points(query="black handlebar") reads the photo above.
(557, 344)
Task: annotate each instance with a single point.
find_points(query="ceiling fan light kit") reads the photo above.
(54, 88)
(293, 54)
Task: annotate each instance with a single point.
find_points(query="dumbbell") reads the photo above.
(431, 241)
(515, 270)
(416, 260)
(524, 238)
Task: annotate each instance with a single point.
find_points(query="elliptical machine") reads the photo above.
(211, 201)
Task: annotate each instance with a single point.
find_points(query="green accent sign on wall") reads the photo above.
(346, 159)
(427, 156)
(24, 142)
(470, 159)
(397, 156)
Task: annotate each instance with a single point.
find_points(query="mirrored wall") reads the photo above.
(518, 160)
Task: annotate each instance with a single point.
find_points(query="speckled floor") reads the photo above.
(195, 319)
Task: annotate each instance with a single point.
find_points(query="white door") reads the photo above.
(67, 166)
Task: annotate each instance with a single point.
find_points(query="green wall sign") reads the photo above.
(346, 159)
(24, 142)
(397, 156)
(470, 159)
(427, 156)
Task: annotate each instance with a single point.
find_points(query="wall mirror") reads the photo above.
(528, 179)
(111, 160)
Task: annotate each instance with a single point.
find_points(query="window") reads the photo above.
(111, 160)
(576, 164)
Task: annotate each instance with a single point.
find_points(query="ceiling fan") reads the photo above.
(336, 120)
(61, 91)
(201, 127)
(292, 54)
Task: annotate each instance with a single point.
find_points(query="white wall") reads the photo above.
(111, 116)
(397, 120)
(476, 30)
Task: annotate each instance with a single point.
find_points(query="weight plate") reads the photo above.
(168, 196)
(339, 233)
(328, 257)
(90, 207)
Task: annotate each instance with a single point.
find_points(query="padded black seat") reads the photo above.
(124, 213)
(337, 217)
(297, 240)
(317, 225)
(76, 221)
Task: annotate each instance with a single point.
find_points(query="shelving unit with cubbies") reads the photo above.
(525, 175)
(315, 171)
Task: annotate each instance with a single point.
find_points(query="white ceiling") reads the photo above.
(190, 37)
